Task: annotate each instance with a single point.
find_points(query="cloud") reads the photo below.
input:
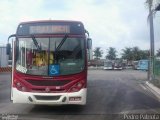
(113, 23)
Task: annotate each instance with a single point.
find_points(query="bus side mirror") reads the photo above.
(89, 43)
(8, 46)
(8, 49)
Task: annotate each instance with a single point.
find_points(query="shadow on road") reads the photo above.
(58, 110)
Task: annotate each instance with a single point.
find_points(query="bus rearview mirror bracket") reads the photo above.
(8, 46)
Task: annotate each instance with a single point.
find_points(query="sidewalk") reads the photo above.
(154, 89)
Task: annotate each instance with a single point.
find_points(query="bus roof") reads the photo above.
(50, 27)
(47, 21)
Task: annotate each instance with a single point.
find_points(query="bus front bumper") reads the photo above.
(78, 98)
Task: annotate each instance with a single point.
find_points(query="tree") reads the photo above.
(144, 54)
(111, 54)
(136, 53)
(97, 53)
(139, 54)
(127, 54)
(158, 53)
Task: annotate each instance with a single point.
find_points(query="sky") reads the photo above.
(111, 23)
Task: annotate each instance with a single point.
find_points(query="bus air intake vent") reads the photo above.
(48, 82)
(38, 97)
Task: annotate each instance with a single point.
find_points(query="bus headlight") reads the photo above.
(20, 86)
(77, 86)
(74, 89)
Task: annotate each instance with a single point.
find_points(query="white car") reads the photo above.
(108, 66)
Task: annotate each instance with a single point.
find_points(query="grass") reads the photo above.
(156, 82)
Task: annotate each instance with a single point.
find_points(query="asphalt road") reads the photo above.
(111, 95)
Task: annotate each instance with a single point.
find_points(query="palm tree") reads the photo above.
(111, 55)
(144, 54)
(97, 53)
(127, 54)
(158, 53)
(136, 53)
(149, 4)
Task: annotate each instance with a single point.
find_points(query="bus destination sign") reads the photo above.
(49, 29)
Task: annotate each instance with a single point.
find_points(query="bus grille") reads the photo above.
(43, 90)
(48, 82)
(38, 97)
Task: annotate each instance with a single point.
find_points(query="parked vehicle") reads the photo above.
(143, 65)
(113, 65)
(118, 65)
(135, 65)
(108, 65)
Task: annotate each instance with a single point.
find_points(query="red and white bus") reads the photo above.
(49, 62)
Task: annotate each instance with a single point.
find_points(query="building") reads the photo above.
(3, 57)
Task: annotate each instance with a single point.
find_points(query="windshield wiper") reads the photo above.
(36, 43)
(61, 43)
(59, 46)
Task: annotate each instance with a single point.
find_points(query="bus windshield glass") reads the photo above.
(55, 56)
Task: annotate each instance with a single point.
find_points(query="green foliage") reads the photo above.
(158, 53)
(111, 54)
(97, 53)
(134, 54)
(144, 54)
(127, 53)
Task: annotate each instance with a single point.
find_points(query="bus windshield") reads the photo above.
(69, 56)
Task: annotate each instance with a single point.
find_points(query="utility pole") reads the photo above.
(151, 65)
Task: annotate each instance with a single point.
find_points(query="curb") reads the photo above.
(155, 90)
